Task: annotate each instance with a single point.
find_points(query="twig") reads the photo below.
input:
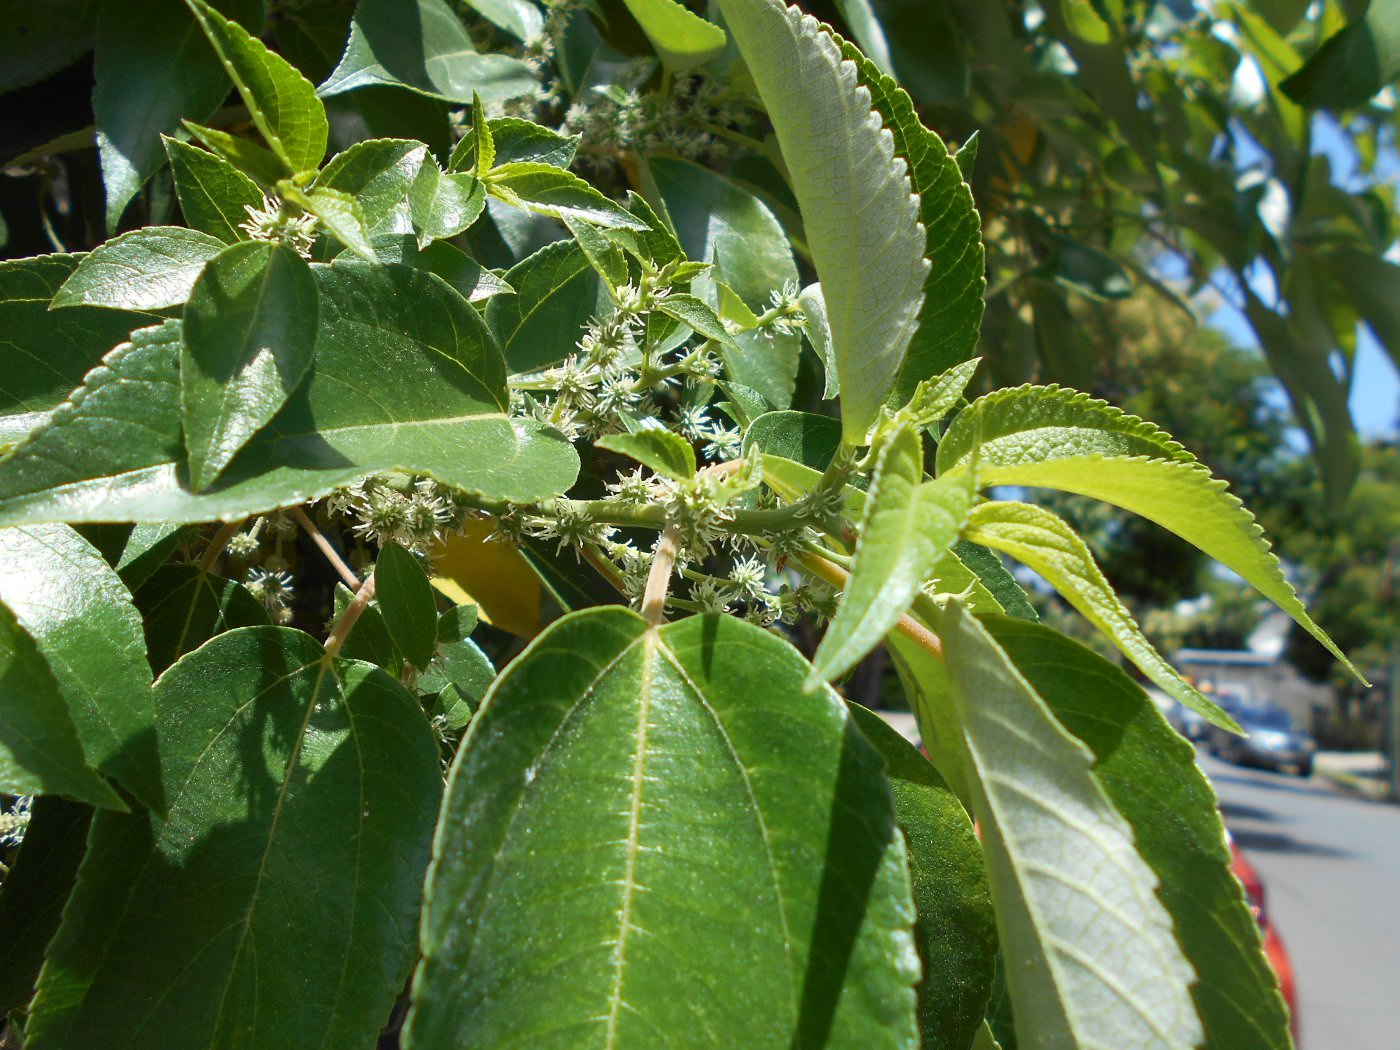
(659, 579)
(839, 577)
(324, 546)
(346, 623)
(218, 543)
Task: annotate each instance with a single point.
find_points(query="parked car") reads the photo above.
(1274, 950)
(1272, 740)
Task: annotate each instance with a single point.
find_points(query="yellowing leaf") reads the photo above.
(474, 568)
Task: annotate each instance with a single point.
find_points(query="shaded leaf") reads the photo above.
(406, 599)
(556, 294)
(182, 607)
(41, 39)
(1353, 64)
(444, 205)
(465, 274)
(146, 269)
(340, 214)
(258, 162)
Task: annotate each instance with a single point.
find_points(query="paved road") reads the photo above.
(1331, 871)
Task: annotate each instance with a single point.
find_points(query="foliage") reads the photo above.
(522, 327)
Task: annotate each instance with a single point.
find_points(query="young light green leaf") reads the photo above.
(182, 607)
(710, 838)
(697, 315)
(906, 526)
(1047, 544)
(861, 218)
(422, 45)
(152, 68)
(1072, 891)
(39, 749)
(308, 871)
(147, 269)
(1147, 771)
(517, 141)
(249, 340)
(547, 190)
(257, 162)
(47, 352)
(951, 315)
(935, 398)
(81, 617)
(282, 102)
(661, 450)
(818, 330)
(557, 292)
(444, 205)
(604, 255)
(484, 140)
(339, 213)
(114, 452)
(214, 195)
(956, 930)
(406, 599)
(683, 40)
(926, 686)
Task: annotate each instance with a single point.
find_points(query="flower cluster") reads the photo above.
(14, 822)
(274, 222)
(415, 513)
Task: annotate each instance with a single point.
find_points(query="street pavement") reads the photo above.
(1330, 865)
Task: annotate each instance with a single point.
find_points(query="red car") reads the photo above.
(1273, 945)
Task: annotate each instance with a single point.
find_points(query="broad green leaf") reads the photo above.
(1354, 64)
(302, 795)
(282, 102)
(1150, 775)
(457, 624)
(697, 315)
(406, 599)
(1047, 544)
(380, 175)
(47, 352)
(658, 243)
(1092, 957)
(39, 749)
(951, 315)
(906, 526)
(41, 39)
(453, 265)
(146, 269)
(114, 453)
(861, 218)
(520, 18)
(661, 450)
(182, 607)
(146, 549)
(80, 614)
(606, 257)
(683, 40)
(369, 639)
(719, 222)
(462, 667)
(803, 437)
(153, 68)
(257, 162)
(556, 294)
(1373, 284)
(518, 141)
(1009, 594)
(214, 195)
(34, 892)
(340, 214)
(443, 205)
(422, 45)
(1028, 424)
(710, 838)
(548, 190)
(956, 930)
(249, 339)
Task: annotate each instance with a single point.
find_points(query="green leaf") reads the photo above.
(465, 670)
(683, 40)
(721, 223)
(1088, 270)
(34, 891)
(80, 614)
(603, 255)
(146, 549)
(934, 398)
(987, 566)
(46, 352)
(924, 677)
(302, 795)
(906, 526)
(818, 330)
(518, 141)
(282, 102)
(802, 437)
(444, 205)
(422, 45)
(1045, 543)
(661, 450)
(153, 68)
(457, 624)
(1150, 775)
(710, 838)
(369, 639)
(697, 315)
(1093, 958)
(406, 599)
(258, 162)
(182, 607)
(556, 294)
(1353, 64)
(482, 138)
(547, 190)
(520, 18)
(214, 195)
(380, 176)
(114, 452)
(861, 219)
(956, 930)
(950, 317)
(39, 749)
(41, 39)
(469, 277)
(249, 339)
(1076, 444)
(146, 269)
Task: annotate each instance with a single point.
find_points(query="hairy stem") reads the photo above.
(324, 546)
(659, 579)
